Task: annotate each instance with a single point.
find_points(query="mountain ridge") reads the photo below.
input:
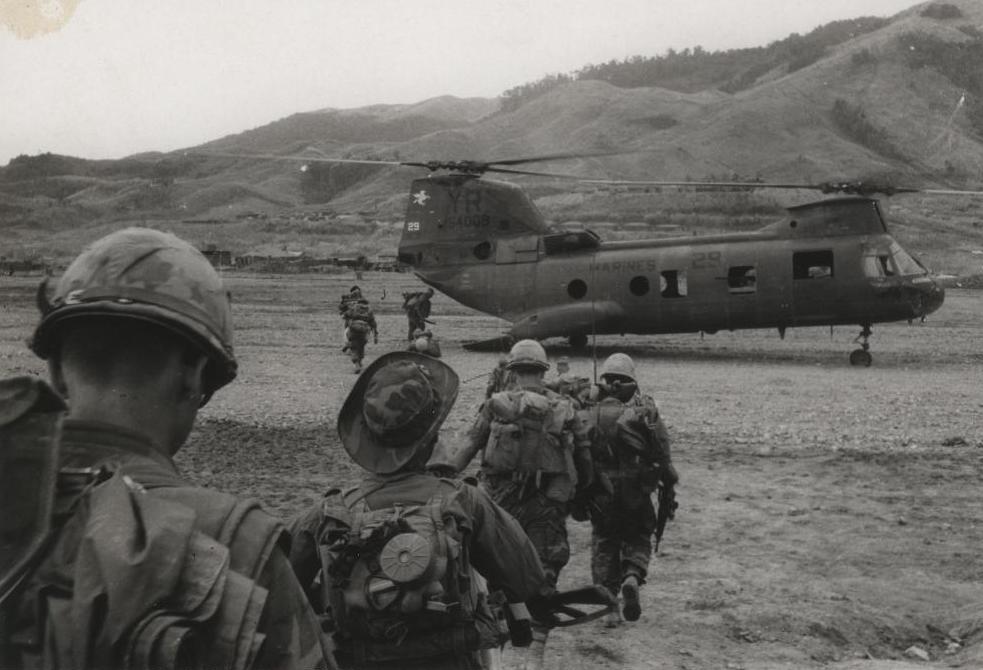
(882, 103)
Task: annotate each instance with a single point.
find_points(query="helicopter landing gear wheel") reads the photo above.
(578, 342)
(862, 355)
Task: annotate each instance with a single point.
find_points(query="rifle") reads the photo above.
(567, 608)
(667, 509)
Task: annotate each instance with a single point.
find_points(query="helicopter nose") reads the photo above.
(928, 294)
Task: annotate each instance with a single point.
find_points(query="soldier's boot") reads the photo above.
(632, 607)
(358, 366)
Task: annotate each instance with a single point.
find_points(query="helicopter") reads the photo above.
(832, 262)
(484, 243)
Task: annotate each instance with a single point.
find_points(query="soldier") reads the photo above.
(360, 322)
(145, 569)
(535, 454)
(393, 557)
(354, 293)
(417, 307)
(425, 343)
(631, 456)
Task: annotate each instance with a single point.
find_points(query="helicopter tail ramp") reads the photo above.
(457, 218)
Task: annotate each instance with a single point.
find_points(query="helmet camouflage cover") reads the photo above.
(621, 365)
(148, 275)
(528, 354)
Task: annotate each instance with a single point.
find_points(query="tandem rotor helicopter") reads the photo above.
(484, 244)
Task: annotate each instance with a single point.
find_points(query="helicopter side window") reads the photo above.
(742, 279)
(812, 264)
(639, 285)
(885, 266)
(482, 251)
(672, 284)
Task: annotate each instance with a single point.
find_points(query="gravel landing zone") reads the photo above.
(830, 516)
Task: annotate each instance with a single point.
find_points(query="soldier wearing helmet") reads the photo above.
(535, 456)
(630, 449)
(389, 425)
(138, 336)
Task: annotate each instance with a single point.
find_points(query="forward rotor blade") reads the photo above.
(300, 159)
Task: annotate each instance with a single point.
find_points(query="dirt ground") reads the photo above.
(830, 516)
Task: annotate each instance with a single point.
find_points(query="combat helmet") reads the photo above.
(152, 276)
(621, 365)
(528, 354)
(396, 408)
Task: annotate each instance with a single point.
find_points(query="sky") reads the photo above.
(109, 78)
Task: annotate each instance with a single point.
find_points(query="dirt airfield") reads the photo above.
(830, 516)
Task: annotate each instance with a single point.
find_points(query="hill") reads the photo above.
(900, 98)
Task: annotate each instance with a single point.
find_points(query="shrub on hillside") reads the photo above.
(852, 121)
(942, 10)
(863, 57)
(971, 30)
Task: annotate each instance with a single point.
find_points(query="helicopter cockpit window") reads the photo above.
(878, 264)
(905, 263)
(742, 279)
(672, 283)
(812, 264)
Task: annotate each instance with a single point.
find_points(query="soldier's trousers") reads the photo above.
(415, 324)
(543, 519)
(356, 346)
(621, 538)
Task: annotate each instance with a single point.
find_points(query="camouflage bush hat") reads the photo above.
(150, 275)
(396, 406)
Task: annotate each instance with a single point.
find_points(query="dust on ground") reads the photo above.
(829, 515)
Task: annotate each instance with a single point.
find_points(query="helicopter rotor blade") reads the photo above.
(533, 173)
(553, 157)
(849, 187)
(299, 159)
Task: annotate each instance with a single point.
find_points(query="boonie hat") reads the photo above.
(396, 406)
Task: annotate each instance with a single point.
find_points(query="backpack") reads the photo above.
(527, 434)
(398, 583)
(359, 310)
(120, 578)
(359, 327)
(626, 440)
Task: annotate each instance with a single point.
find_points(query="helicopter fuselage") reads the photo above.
(830, 262)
